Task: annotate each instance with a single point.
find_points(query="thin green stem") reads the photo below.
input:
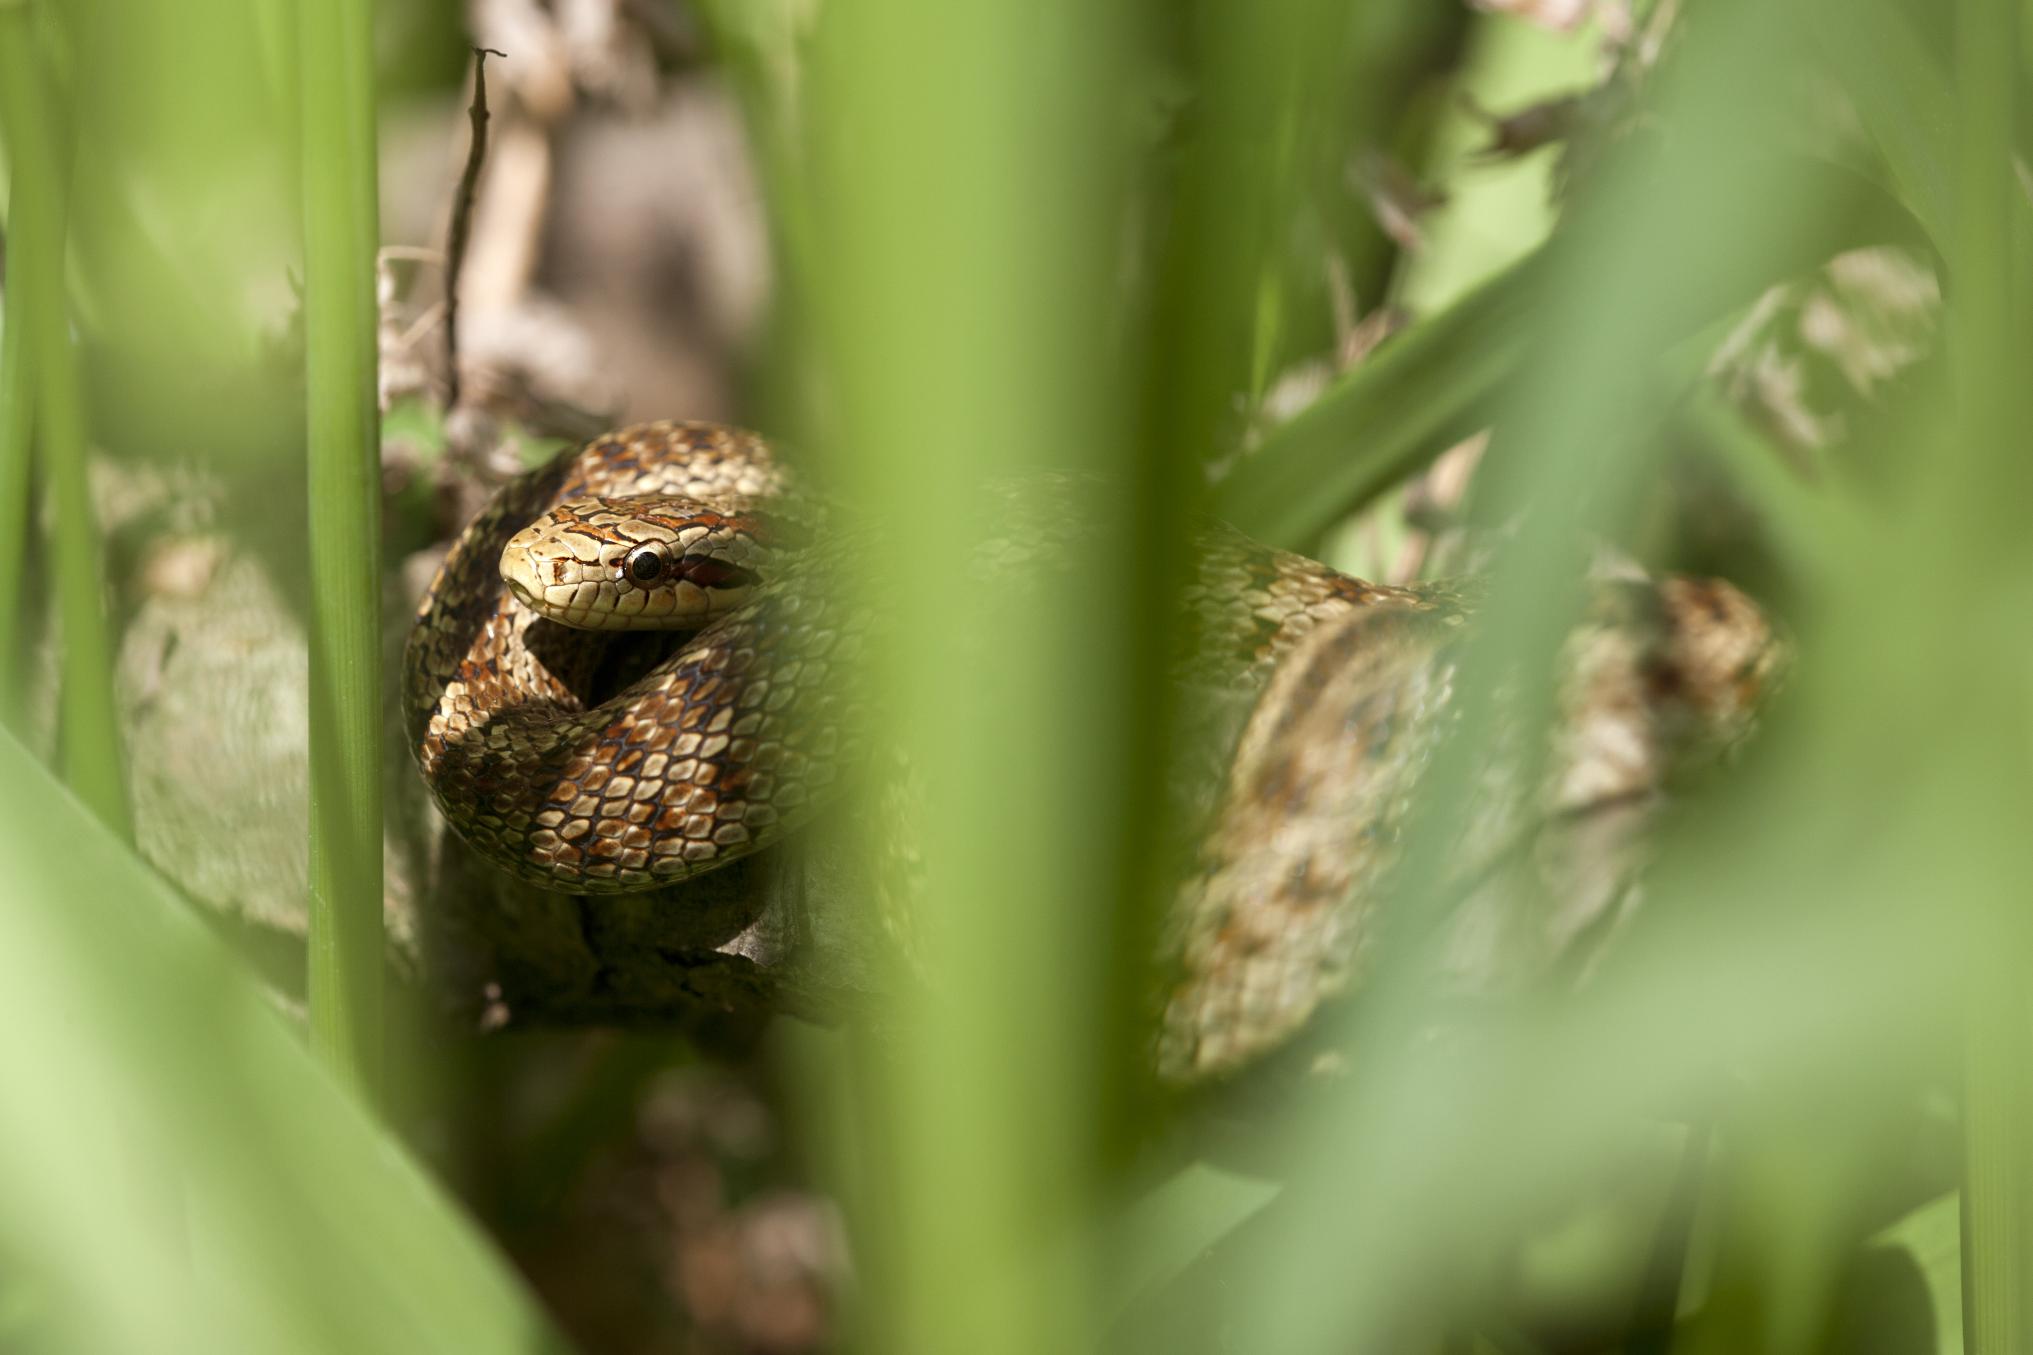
(340, 226)
(1998, 1123)
(34, 226)
(41, 367)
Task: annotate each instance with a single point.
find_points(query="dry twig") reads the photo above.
(462, 220)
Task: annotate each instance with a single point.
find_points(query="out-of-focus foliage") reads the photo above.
(183, 1178)
(1735, 285)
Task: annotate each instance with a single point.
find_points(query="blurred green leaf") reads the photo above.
(1177, 1222)
(964, 232)
(1887, 69)
(178, 1173)
(1905, 1293)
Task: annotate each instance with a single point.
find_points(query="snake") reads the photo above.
(576, 776)
(736, 735)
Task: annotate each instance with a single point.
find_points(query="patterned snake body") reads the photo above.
(728, 740)
(734, 734)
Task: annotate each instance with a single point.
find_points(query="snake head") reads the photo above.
(644, 563)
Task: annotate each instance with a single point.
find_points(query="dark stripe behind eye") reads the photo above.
(708, 572)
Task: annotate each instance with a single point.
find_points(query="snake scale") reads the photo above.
(734, 733)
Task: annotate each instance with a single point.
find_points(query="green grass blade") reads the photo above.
(1423, 391)
(1982, 334)
(1159, 1237)
(964, 306)
(1926, 1243)
(34, 231)
(315, 1232)
(39, 336)
(90, 729)
(1902, 97)
(341, 222)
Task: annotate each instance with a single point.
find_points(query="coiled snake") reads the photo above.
(733, 735)
(730, 738)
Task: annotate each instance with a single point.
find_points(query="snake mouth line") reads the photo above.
(709, 571)
(523, 594)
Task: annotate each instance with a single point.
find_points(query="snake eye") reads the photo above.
(645, 564)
